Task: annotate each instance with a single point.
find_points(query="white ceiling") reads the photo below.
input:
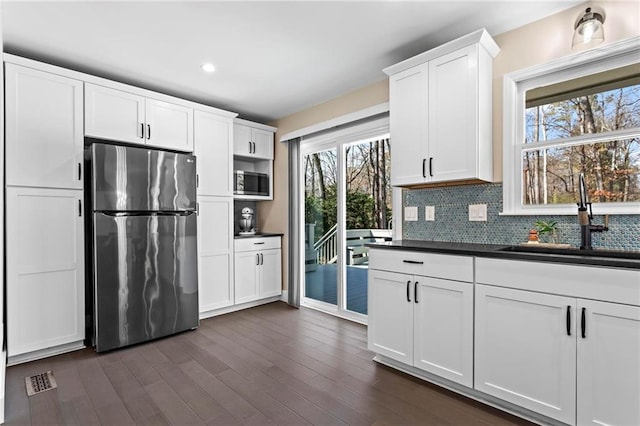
(272, 58)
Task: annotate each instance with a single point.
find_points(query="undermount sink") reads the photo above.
(573, 251)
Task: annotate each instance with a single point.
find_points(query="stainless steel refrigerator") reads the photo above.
(144, 251)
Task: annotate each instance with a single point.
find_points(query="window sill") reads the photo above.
(568, 210)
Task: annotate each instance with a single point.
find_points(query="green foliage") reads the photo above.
(545, 227)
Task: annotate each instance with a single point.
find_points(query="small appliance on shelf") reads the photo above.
(247, 226)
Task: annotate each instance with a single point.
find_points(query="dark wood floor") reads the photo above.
(271, 364)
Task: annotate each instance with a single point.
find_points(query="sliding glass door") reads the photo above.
(347, 204)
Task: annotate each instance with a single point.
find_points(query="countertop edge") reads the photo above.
(494, 251)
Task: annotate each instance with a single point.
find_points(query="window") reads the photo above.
(577, 115)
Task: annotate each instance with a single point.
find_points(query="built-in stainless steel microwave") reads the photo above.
(250, 183)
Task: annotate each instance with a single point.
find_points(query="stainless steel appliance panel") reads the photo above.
(142, 179)
(145, 277)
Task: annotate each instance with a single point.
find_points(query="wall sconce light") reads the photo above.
(589, 31)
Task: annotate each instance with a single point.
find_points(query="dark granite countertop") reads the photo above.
(259, 234)
(610, 258)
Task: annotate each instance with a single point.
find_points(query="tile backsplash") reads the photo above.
(452, 220)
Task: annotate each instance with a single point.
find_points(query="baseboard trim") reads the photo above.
(469, 392)
(234, 308)
(45, 353)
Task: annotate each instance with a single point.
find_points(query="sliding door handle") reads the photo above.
(568, 320)
(408, 290)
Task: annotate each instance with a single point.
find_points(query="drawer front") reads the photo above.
(588, 282)
(257, 243)
(451, 267)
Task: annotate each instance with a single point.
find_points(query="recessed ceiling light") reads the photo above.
(208, 67)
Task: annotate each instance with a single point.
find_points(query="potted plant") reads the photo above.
(548, 230)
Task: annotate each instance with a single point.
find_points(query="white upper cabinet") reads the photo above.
(213, 140)
(252, 140)
(44, 139)
(113, 114)
(122, 116)
(408, 105)
(440, 113)
(169, 125)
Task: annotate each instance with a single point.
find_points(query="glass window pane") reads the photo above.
(368, 212)
(320, 217)
(600, 112)
(611, 169)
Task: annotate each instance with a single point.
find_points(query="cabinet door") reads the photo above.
(45, 269)
(169, 125)
(212, 139)
(215, 259)
(263, 144)
(608, 364)
(242, 145)
(113, 114)
(246, 279)
(270, 273)
(443, 329)
(390, 309)
(453, 118)
(44, 138)
(524, 353)
(408, 125)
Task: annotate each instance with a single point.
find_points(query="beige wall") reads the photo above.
(273, 215)
(536, 43)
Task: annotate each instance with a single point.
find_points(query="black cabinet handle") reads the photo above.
(254, 147)
(79, 208)
(249, 147)
(424, 173)
(583, 324)
(141, 130)
(261, 259)
(413, 262)
(431, 166)
(197, 180)
(415, 292)
(148, 131)
(568, 320)
(257, 258)
(408, 295)
(257, 244)
(79, 171)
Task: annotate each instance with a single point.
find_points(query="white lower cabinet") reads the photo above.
(424, 322)
(45, 270)
(608, 369)
(525, 349)
(215, 261)
(258, 271)
(565, 355)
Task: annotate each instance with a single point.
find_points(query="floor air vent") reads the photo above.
(40, 383)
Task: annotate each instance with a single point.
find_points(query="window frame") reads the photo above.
(515, 87)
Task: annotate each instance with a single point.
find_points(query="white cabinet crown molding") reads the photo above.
(88, 78)
(255, 125)
(480, 37)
